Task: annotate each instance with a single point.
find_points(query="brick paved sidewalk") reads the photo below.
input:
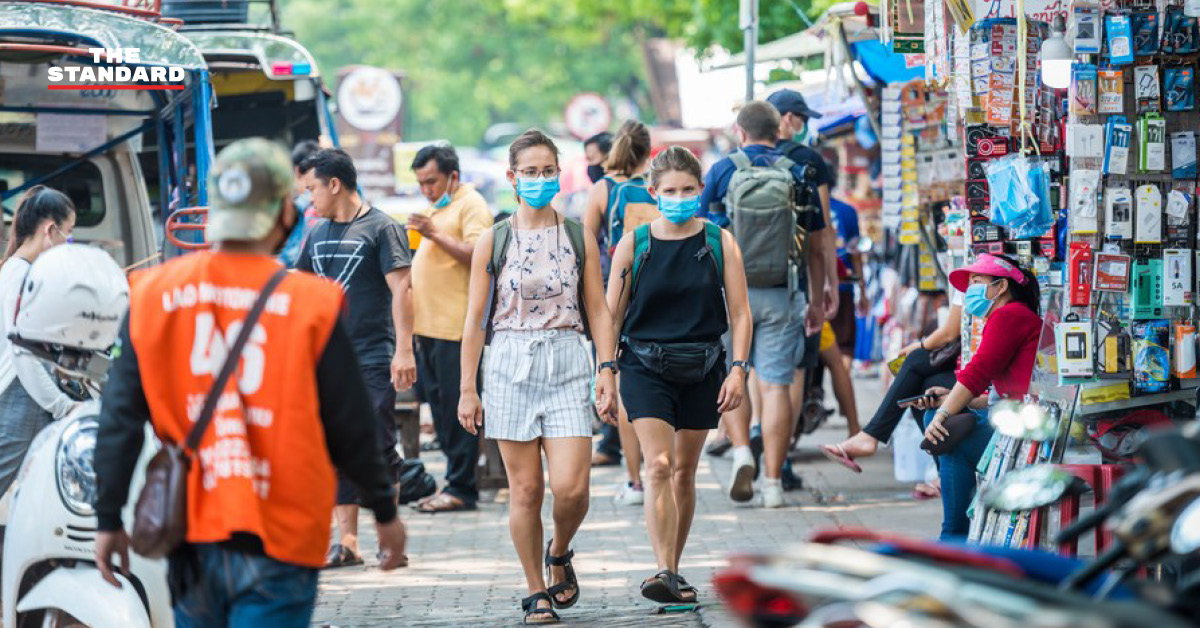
(463, 570)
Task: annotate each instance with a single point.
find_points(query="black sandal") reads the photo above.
(340, 556)
(530, 606)
(572, 582)
(664, 588)
(684, 587)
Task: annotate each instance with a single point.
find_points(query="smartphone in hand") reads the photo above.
(911, 401)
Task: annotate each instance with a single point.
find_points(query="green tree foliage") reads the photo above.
(472, 63)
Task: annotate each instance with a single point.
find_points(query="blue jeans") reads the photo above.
(957, 472)
(239, 590)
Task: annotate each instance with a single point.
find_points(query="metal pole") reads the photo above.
(748, 22)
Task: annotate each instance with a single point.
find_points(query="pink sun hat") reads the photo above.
(985, 264)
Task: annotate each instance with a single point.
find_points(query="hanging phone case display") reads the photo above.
(1148, 215)
(1177, 277)
(1113, 346)
(1118, 134)
(1152, 143)
(1183, 155)
(1079, 274)
(1179, 88)
(1110, 157)
(1151, 356)
(1112, 272)
(1074, 339)
(1120, 39)
(1146, 88)
(1148, 288)
(1111, 86)
(1118, 213)
(1084, 202)
(1185, 350)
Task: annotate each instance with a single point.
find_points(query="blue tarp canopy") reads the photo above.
(883, 65)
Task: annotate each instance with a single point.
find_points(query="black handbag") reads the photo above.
(943, 355)
(959, 426)
(677, 362)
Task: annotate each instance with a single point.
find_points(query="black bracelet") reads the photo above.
(612, 366)
(921, 343)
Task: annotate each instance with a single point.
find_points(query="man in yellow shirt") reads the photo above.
(440, 273)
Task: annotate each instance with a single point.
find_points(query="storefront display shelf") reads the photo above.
(1186, 394)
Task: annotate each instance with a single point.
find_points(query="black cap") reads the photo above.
(790, 101)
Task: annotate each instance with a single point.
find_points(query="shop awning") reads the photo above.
(885, 66)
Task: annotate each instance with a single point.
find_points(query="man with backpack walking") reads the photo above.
(767, 201)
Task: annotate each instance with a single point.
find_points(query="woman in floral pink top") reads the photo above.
(538, 373)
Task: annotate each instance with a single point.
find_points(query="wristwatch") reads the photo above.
(612, 366)
(941, 413)
(745, 366)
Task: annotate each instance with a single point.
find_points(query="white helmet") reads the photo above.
(71, 306)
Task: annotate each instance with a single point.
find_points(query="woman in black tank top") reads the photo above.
(676, 286)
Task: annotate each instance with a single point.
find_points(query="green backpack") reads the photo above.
(641, 252)
(502, 235)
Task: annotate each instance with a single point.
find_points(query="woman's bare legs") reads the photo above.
(523, 463)
(688, 446)
(569, 464)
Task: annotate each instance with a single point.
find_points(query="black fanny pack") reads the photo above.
(677, 362)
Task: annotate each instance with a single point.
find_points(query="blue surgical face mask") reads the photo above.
(537, 192)
(679, 209)
(976, 301)
(443, 201)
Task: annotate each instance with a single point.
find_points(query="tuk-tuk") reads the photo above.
(85, 140)
(267, 84)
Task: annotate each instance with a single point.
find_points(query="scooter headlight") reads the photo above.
(74, 469)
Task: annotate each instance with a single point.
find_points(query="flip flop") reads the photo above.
(443, 502)
(340, 556)
(921, 495)
(837, 454)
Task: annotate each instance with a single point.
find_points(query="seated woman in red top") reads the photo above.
(1008, 297)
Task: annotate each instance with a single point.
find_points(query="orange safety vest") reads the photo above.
(262, 467)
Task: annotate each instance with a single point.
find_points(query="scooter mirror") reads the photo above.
(1185, 534)
(1032, 487)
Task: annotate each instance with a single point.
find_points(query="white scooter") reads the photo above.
(49, 575)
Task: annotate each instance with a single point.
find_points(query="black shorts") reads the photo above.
(647, 395)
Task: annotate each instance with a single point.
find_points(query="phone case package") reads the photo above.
(1120, 39)
(1151, 356)
(1185, 350)
(1112, 272)
(1083, 90)
(1145, 32)
(1111, 98)
(1074, 348)
(1179, 88)
(1146, 88)
(1113, 347)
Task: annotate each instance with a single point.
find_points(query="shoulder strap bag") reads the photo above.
(160, 517)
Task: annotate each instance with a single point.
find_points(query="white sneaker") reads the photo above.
(772, 492)
(741, 479)
(630, 495)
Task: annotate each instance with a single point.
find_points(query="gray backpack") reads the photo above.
(761, 203)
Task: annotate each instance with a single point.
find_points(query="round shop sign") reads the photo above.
(369, 99)
(587, 114)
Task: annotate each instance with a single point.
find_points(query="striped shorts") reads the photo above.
(537, 384)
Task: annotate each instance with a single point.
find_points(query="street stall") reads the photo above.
(1078, 128)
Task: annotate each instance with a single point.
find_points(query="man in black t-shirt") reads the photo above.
(366, 252)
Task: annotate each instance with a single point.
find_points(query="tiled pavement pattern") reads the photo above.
(463, 571)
